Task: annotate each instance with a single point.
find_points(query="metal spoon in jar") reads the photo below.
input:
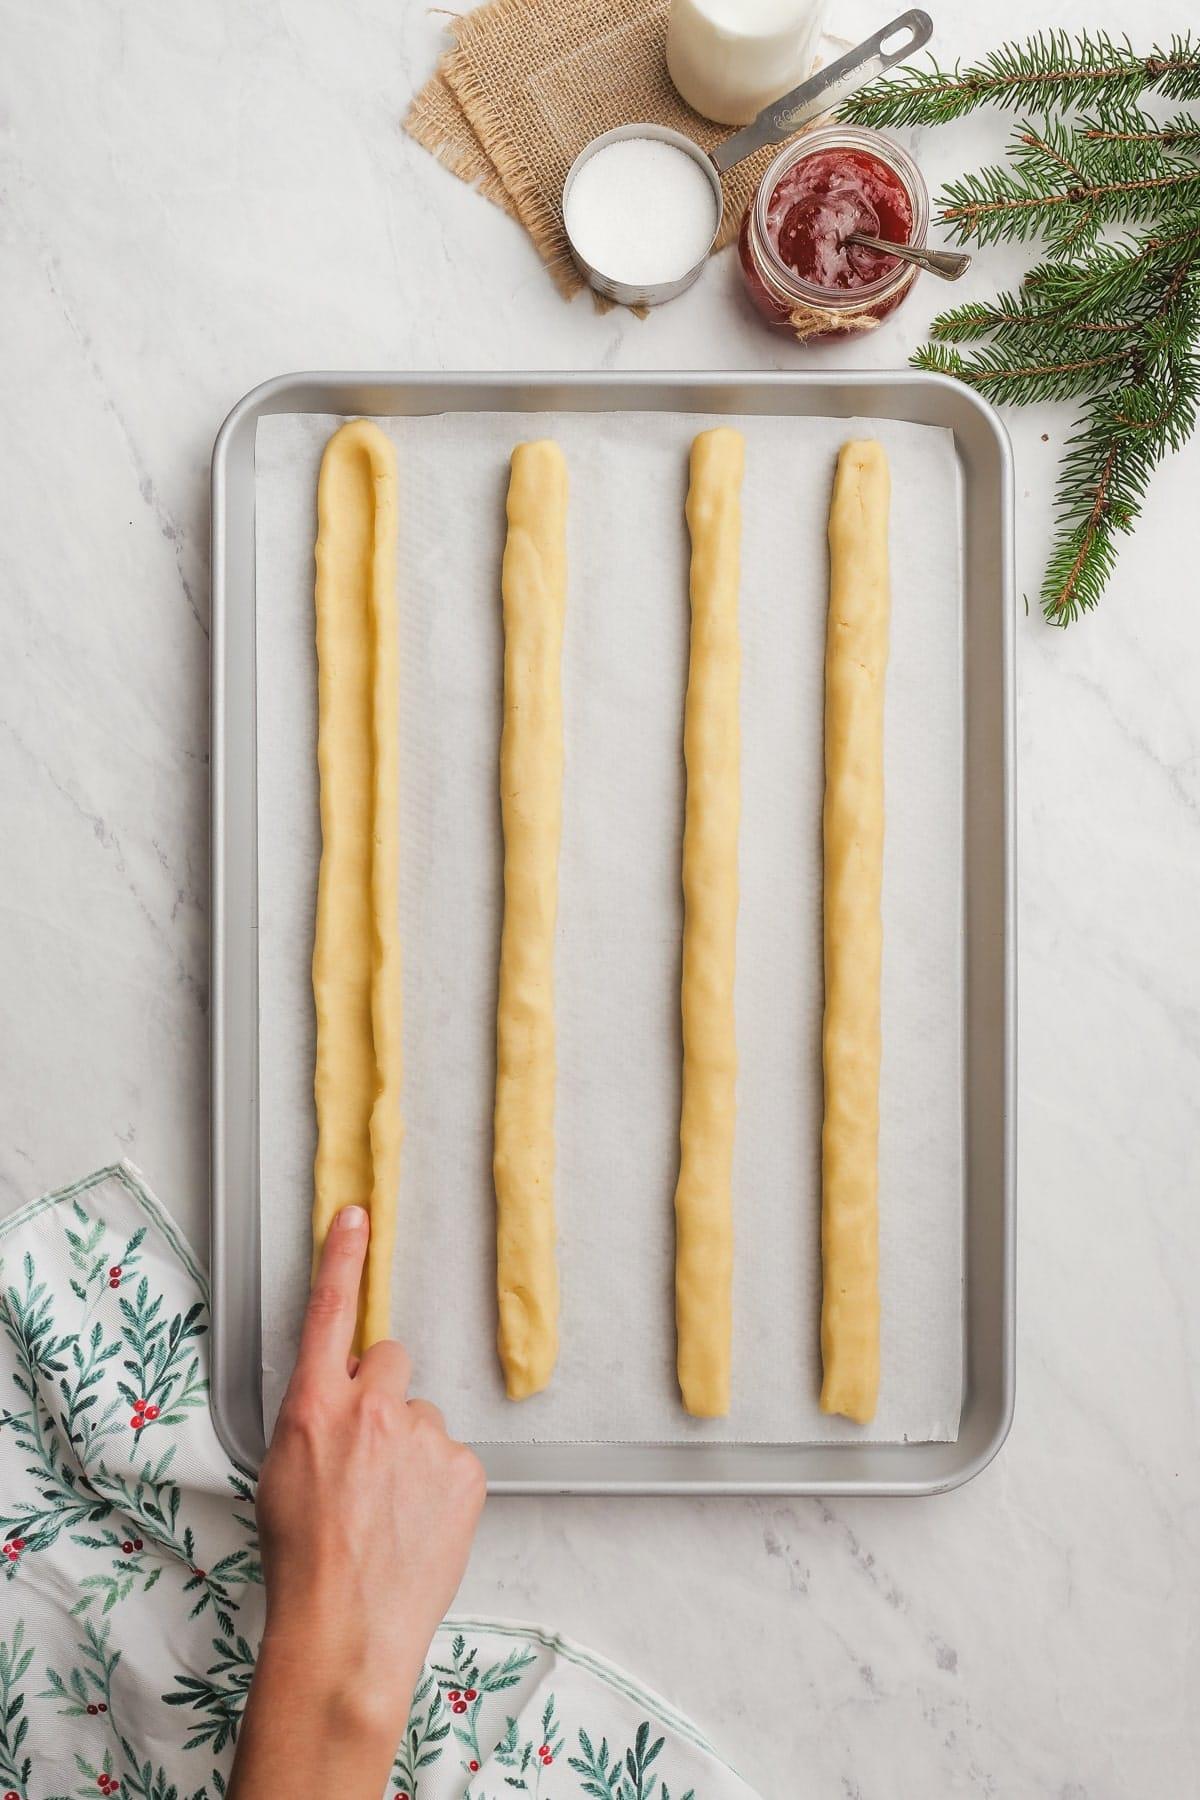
(949, 264)
(845, 217)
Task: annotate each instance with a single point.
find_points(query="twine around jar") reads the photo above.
(814, 321)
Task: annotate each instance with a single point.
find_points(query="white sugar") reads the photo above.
(641, 211)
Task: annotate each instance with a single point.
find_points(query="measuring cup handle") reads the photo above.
(826, 89)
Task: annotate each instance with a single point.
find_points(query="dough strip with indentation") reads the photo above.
(356, 949)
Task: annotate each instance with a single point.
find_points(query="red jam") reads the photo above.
(821, 200)
(814, 207)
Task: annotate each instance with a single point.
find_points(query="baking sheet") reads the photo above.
(625, 660)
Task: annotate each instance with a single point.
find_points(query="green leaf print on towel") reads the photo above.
(132, 1585)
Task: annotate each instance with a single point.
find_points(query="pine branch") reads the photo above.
(1110, 459)
(1056, 185)
(1111, 322)
(1003, 376)
(1019, 317)
(1143, 398)
(1050, 71)
(1114, 294)
(1180, 133)
(1117, 274)
(1108, 474)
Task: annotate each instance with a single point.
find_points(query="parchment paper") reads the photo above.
(620, 920)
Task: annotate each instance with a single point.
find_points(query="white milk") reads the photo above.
(730, 58)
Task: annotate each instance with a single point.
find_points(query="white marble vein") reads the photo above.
(195, 197)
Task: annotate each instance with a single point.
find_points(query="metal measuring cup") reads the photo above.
(780, 120)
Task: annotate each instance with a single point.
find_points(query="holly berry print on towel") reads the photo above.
(129, 1567)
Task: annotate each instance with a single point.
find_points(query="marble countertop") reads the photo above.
(195, 197)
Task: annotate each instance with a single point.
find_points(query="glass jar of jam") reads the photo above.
(800, 272)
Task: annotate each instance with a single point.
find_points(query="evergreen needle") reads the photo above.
(1112, 322)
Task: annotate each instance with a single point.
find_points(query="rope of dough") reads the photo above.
(356, 949)
(533, 586)
(711, 745)
(856, 652)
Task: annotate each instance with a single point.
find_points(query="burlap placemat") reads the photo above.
(526, 86)
(437, 121)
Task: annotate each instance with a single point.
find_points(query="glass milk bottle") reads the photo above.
(730, 58)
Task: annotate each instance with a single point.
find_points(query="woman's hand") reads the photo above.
(366, 1511)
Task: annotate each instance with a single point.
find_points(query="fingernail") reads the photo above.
(351, 1218)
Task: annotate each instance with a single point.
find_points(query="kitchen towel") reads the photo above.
(530, 82)
(132, 1598)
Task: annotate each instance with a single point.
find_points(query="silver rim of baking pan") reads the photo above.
(989, 921)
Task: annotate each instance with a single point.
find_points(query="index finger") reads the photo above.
(329, 1322)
